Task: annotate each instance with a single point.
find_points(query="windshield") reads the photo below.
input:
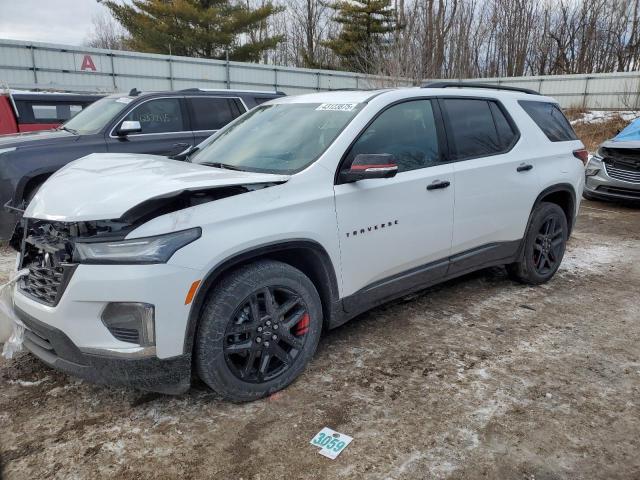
(93, 118)
(282, 138)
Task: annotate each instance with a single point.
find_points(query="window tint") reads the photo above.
(506, 134)
(158, 116)
(212, 113)
(53, 112)
(472, 131)
(407, 131)
(550, 119)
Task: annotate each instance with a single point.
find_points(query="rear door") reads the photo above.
(166, 129)
(495, 185)
(210, 114)
(395, 233)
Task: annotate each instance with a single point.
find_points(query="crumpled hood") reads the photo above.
(104, 186)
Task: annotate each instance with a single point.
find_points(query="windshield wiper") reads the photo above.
(72, 130)
(225, 166)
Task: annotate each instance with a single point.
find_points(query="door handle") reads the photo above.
(437, 184)
(524, 167)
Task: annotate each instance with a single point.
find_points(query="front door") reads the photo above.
(395, 233)
(165, 129)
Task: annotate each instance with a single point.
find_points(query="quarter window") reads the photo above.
(407, 131)
(163, 115)
(213, 113)
(550, 119)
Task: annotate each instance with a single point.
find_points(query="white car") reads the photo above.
(293, 219)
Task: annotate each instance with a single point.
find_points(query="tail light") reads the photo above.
(582, 155)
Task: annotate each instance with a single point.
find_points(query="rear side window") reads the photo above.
(54, 112)
(213, 113)
(477, 128)
(550, 119)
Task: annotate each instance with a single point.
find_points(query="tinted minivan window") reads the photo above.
(550, 119)
(212, 113)
(471, 128)
(407, 131)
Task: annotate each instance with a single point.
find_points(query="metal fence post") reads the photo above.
(113, 73)
(586, 92)
(228, 69)
(170, 73)
(318, 81)
(33, 64)
(275, 79)
(540, 87)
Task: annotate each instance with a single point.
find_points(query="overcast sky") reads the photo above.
(53, 21)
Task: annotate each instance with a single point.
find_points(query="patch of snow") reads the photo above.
(592, 259)
(601, 116)
(24, 383)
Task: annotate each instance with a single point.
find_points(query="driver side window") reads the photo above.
(163, 115)
(407, 131)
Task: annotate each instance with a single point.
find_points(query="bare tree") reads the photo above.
(106, 33)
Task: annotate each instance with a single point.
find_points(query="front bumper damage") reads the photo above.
(61, 305)
(54, 348)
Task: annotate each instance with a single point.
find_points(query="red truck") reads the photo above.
(22, 111)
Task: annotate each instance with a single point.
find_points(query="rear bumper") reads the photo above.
(54, 348)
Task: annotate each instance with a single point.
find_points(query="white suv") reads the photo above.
(296, 217)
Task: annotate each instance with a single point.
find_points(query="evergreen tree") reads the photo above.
(195, 28)
(365, 28)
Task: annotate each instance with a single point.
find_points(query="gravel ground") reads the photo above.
(476, 378)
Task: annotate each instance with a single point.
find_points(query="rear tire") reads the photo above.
(544, 246)
(246, 349)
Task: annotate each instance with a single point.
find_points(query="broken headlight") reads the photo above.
(158, 249)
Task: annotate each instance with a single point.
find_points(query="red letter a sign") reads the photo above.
(87, 64)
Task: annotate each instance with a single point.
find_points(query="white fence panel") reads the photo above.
(50, 66)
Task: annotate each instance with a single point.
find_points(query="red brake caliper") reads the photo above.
(302, 326)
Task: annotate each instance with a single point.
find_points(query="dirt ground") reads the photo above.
(476, 378)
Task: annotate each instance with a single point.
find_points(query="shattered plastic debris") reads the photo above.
(331, 443)
(11, 328)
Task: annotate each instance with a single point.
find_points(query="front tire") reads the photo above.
(544, 246)
(258, 330)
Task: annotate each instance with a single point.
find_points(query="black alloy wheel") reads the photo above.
(543, 245)
(258, 329)
(548, 245)
(266, 334)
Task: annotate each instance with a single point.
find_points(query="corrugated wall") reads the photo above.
(41, 65)
(597, 91)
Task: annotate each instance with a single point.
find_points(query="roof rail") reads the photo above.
(478, 85)
(223, 90)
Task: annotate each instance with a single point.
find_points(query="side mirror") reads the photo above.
(370, 165)
(129, 126)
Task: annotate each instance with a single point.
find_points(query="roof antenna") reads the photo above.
(134, 92)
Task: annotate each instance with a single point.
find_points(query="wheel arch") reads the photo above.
(307, 256)
(28, 182)
(563, 195)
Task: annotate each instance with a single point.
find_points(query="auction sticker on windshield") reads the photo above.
(331, 443)
(337, 107)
